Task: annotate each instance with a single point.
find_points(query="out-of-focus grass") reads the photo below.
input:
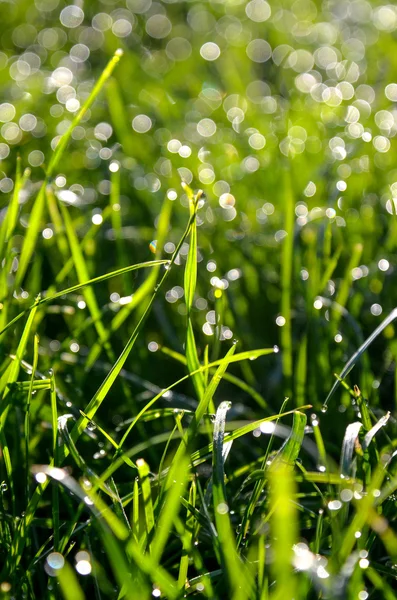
(197, 219)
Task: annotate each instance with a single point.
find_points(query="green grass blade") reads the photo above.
(83, 276)
(286, 281)
(203, 406)
(284, 528)
(144, 290)
(38, 207)
(289, 451)
(27, 413)
(55, 491)
(343, 293)
(170, 510)
(190, 282)
(69, 584)
(144, 478)
(56, 218)
(231, 564)
(355, 357)
(248, 389)
(236, 358)
(79, 286)
(9, 377)
(187, 539)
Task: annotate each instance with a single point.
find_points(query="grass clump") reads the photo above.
(186, 263)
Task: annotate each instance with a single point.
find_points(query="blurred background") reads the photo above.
(263, 106)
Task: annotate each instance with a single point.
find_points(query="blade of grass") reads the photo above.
(69, 584)
(202, 407)
(144, 479)
(170, 510)
(38, 207)
(227, 376)
(55, 491)
(236, 358)
(234, 572)
(355, 357)
(83, 275)
(9, 377)
(284, 528)
(147, 286)
(187, 540)
(190, 282)
(27, 413)
(343, 293)
(79, 286)
(286, 280)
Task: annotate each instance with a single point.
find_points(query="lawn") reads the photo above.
(198, 356)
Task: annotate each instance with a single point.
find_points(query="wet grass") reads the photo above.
(198, 389)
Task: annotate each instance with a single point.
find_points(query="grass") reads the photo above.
(197, 301)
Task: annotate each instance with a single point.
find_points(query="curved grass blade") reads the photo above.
(79, 286)
(112, 531)
(354, 358)
(350, 441)
(227, 376)
(289, 451)
(93, 405)
(374, 430)
(38, 207)
(231, 359)
(203, 452)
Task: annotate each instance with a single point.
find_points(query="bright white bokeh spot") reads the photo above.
(71, 16)
(83, 567)
(206, 127)
(383, 264)
(141, 123)
(210, 51)
(258, 10)
(267, 427)
(97, 219)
